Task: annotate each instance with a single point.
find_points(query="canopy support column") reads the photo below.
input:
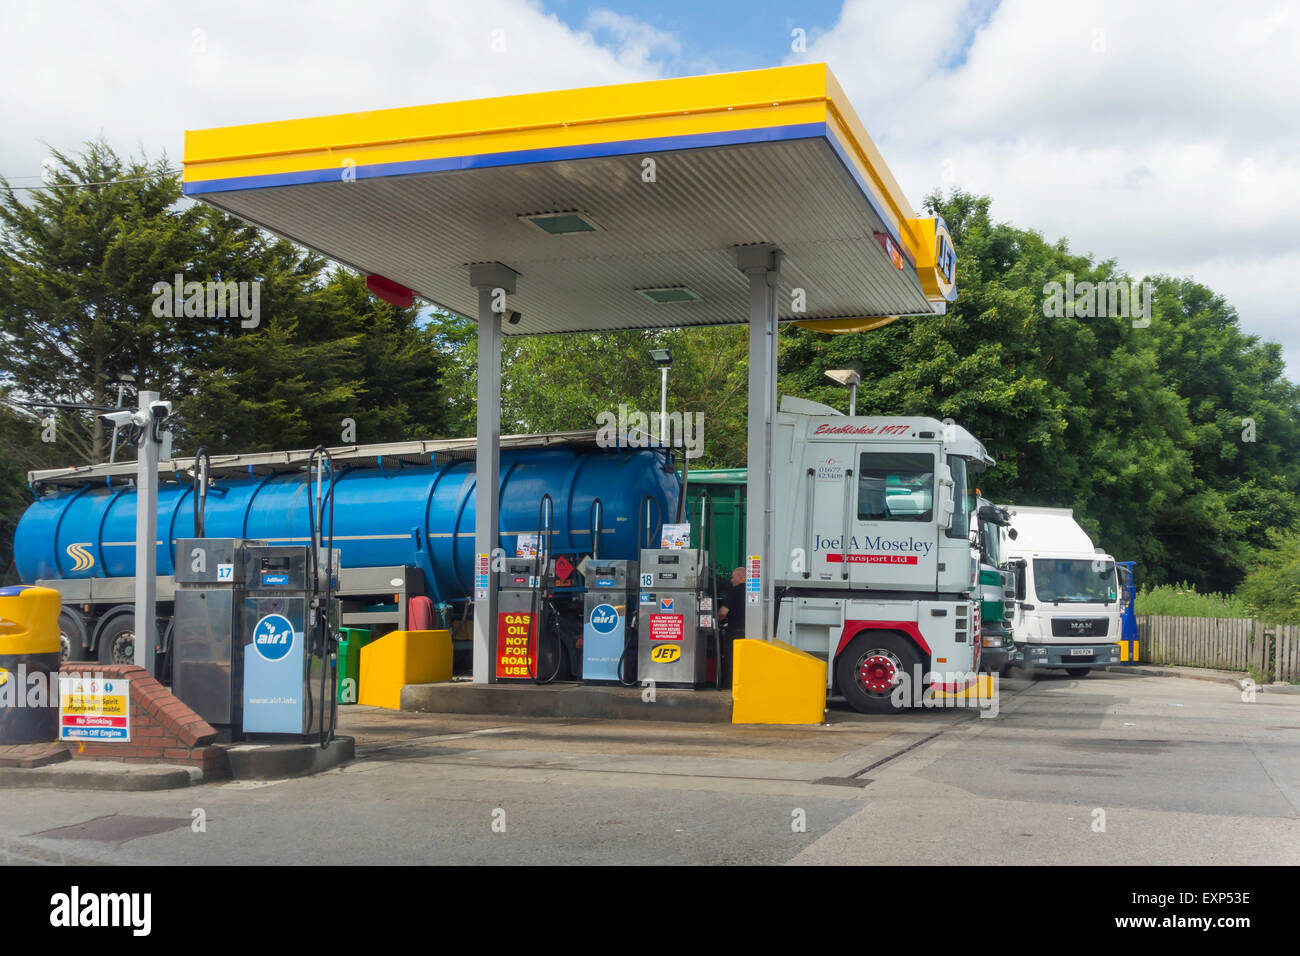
(762, 266)
(494, 282)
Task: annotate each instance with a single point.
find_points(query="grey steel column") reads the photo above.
(494, 282)
(762, 265)
(146, 538)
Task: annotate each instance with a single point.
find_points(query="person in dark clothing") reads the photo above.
(732, 610)
(731, 614)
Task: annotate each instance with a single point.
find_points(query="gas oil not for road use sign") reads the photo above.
(516, 641)
(91, 708)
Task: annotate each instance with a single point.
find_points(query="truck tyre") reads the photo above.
(73, 635)
(115, 642)
(1005, 673)
(871, 666)
(1078, 671)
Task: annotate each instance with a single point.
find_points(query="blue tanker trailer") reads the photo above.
(403, 521)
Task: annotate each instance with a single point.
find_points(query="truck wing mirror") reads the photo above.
(947, 501)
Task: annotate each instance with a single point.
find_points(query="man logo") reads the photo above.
(83, 559)
(665, 653)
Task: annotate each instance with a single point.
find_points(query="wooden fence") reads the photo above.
(1234, 644)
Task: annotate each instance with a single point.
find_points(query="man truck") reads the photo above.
(1067, 598)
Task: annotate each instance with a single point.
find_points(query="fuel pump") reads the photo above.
(609, 619)
(672, 647)
(290, 626)
(524, 586)
(206, 653)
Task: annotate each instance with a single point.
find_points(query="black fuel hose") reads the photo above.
(322, 636)
(545, 520)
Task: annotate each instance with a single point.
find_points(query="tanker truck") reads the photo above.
(1067, 599)
(880, 579)
(403, 522)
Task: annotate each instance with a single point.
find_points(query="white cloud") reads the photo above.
(1162, 133)
(637, 45)
(143, 73)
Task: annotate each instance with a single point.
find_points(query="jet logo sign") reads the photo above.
(273, 637)
(666, 604)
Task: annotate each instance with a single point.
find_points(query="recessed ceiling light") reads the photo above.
(667, 294)
(567, 223)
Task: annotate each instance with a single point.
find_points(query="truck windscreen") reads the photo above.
(1075, 581)
(895, 486)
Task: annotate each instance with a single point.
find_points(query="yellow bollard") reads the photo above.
(29, 665)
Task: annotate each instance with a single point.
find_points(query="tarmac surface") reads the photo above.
(1113, 768)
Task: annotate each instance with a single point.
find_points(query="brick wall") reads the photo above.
(163, 729)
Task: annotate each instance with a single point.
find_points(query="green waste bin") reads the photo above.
(349, 668)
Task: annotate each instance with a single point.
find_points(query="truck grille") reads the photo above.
(1079, 626)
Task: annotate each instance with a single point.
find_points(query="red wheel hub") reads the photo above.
(877, 673)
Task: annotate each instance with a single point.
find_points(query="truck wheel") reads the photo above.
(72, 635)
(1005, 673)
(116, 644)
(1078, 671)
(868, 670)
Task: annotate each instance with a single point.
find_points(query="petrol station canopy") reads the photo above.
(619, 207)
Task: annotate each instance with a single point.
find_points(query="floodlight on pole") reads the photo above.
(664, 359)
(850, 377)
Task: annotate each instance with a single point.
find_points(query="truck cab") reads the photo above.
(874, 570)
(996, 587)
(1067, 595)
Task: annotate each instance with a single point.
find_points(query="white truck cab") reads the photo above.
(874, 569)
(1067, 607)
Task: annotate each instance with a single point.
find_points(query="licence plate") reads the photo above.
(1081, 652)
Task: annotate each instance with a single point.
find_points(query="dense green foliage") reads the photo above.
(1272, 588)
(1182, 600)
(78, 269)
(563, 382)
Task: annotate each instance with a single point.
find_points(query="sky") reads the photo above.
(1161, 133)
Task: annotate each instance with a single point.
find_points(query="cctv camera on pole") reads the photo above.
(150, 418)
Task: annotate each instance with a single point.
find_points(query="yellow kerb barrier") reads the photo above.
(774, 683)
(402, 657)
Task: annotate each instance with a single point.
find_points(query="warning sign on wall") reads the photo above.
(91, 708)
(515, 645)
(667, 627)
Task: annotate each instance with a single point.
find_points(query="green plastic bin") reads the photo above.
(349, 663)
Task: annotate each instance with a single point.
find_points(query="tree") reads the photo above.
(1271, 589)
(87, 267)
(564, 382)
(333, 366)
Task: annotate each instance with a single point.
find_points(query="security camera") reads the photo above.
(118, 419)
(513, 317)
